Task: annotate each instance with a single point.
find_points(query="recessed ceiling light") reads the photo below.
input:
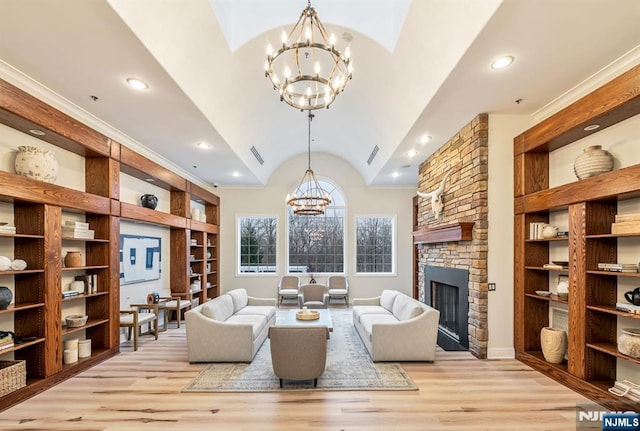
(412, 153)
(236, 174)
(36, 132)
(591, 127)
(424, 139)
(203, 145)
(502, 62)
(396, 174)
(137, 84)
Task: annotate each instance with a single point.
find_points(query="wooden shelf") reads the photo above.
(552, 298)
(20, 235)
(83, 296)
(84, 268)
(547, 239)
(21, 346)
(459, 231)
(540, 268)
(612, 349)
(90, 324)
(24, 271)
(612, 310)
(146, 215)
(86, 239)
(613, 273)
(24, 306)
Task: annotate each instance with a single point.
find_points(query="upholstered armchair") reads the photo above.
(313, 296)
(338, 287)
(288, 288)
(298, 352)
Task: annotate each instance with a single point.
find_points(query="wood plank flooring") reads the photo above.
(142, 391)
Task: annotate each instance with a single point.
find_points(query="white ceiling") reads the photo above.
(421, 67)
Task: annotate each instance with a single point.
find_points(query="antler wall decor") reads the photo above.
(437, 202)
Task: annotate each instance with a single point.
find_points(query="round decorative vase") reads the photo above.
(629, 342)
(5, 297)
(554, 344)
(593, 161)
(149, 201)
(549, 231)
(73, 259)
(36, 163)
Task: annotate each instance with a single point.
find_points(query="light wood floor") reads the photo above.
(142, 391)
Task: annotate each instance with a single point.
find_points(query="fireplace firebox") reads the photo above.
(447, 290)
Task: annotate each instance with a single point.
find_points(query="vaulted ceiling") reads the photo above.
(422, 67)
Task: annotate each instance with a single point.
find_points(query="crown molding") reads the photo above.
(47, 95)
(597, 80)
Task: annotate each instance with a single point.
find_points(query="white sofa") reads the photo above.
(229, 328)
(395, 327)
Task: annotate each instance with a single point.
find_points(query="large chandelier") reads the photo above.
(309, 198)
(308, 70)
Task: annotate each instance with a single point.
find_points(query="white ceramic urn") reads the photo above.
(593, 161)
(36, 163)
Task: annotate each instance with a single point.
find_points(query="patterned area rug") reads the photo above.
(348, 368)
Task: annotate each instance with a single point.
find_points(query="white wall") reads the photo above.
(360, 200)
(502, 130)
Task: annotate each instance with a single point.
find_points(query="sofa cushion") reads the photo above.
(405, 308)
(261, 310)
(220, 308)
(387, 298)
(239, 297)
(368, 320)
(256, 321)
(360, 310)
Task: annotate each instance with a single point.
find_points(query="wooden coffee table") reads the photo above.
(323, 320)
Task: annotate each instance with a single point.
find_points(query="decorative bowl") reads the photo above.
(543, 293)
(76, 320)
(307, 315)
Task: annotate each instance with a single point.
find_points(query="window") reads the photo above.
(375, 244)
(257, 244)
(316, 243)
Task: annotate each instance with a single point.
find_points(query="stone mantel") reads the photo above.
(457, 231)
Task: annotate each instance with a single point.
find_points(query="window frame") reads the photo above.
(338, 189)
(238, 238)
(394, 245)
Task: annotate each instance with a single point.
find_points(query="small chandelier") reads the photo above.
(309, 198)
(313, 71)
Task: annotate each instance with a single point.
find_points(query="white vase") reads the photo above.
(36, 163)
(593, 161)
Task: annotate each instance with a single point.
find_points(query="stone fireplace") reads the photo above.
(465, 201)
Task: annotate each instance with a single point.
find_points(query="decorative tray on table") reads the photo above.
(307, 315)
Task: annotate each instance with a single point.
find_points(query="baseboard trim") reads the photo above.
(501, 353)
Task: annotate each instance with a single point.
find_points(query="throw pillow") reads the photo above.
(387, 297)
(405, 308)
(239, 297)
(220, 308)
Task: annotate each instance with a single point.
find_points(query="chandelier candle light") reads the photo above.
(313, 71)
(309, 198)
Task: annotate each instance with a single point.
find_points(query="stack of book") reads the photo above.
(535, 230)
(629, 308)
(5, 228)
(618, 267)
(70, 293)
(6, 342)
(77, 230)
(626, 223)
(626, 389)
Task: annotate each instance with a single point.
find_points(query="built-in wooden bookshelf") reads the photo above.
(38, 210)
(590, 206)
